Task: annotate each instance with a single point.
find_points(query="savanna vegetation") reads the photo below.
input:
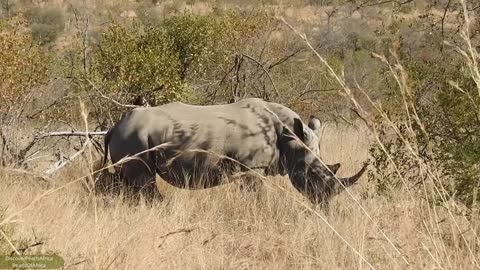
(396, 83)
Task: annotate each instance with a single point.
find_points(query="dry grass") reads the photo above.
(226, 228)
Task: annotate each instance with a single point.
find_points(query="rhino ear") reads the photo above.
(301, 131)
(298, 129)
(314, 124)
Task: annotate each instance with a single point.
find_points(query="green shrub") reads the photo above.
(158, 60)
(132, 62)
(195, 40)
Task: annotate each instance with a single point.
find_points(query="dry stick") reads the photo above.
(22, 250)
(349, 94)
(9, 242)
(71, 133)
(265, 70)
(25, 172)
(183, 230)
(70, 159)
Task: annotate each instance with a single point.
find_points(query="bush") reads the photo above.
(132, 62)
(46, 23)
(158, 60)
(24, 65)
(433, 133)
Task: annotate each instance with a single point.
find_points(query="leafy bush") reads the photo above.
(24, 65)
(194, 40)
(157, 60)
(46, 23)
(132, 63)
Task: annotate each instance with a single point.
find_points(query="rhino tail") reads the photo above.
(106, 142)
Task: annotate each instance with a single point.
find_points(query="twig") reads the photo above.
(70, 159)
(109, 98)
(285, 58)
(22, 250)
(184, 230)
(209, 239)
(71, 133)
(443, 19)
(76, 263)
(265, 70)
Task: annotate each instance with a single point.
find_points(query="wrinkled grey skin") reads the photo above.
(198, 145)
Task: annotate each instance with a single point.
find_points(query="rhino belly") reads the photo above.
(196, 169)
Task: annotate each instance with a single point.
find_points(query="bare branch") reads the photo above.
(109, 98)
(285, 58)
(183, 230)
(61, 164)
(265, 70)
(71, 133)
(443, 19)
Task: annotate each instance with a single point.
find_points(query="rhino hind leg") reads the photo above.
(140, 179)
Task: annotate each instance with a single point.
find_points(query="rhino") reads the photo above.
(195, 147)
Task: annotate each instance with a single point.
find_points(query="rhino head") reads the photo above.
(307, 173)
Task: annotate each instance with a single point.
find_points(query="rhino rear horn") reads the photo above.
(352, 179)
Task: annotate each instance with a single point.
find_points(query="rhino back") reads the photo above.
(244, 131)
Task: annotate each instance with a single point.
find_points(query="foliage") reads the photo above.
(194, 39)
(24, 65)
(434, 120)
(46, 23)
(135, 63)
(157, 60)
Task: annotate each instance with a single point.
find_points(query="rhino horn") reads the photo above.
(334, 168)
(352, 179)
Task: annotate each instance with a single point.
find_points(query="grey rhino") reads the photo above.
(196, 146)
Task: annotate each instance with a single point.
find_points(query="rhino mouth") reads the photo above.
(320, 185)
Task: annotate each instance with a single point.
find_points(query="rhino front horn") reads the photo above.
(352, 179)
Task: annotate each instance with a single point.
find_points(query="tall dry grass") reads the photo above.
(228, 228)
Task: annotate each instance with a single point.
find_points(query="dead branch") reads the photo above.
(61, 164)
(183, 230)
(209, 239)
(264, 70)
(285, 58)
(443, 19)
(22, 250)
(71, 133)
